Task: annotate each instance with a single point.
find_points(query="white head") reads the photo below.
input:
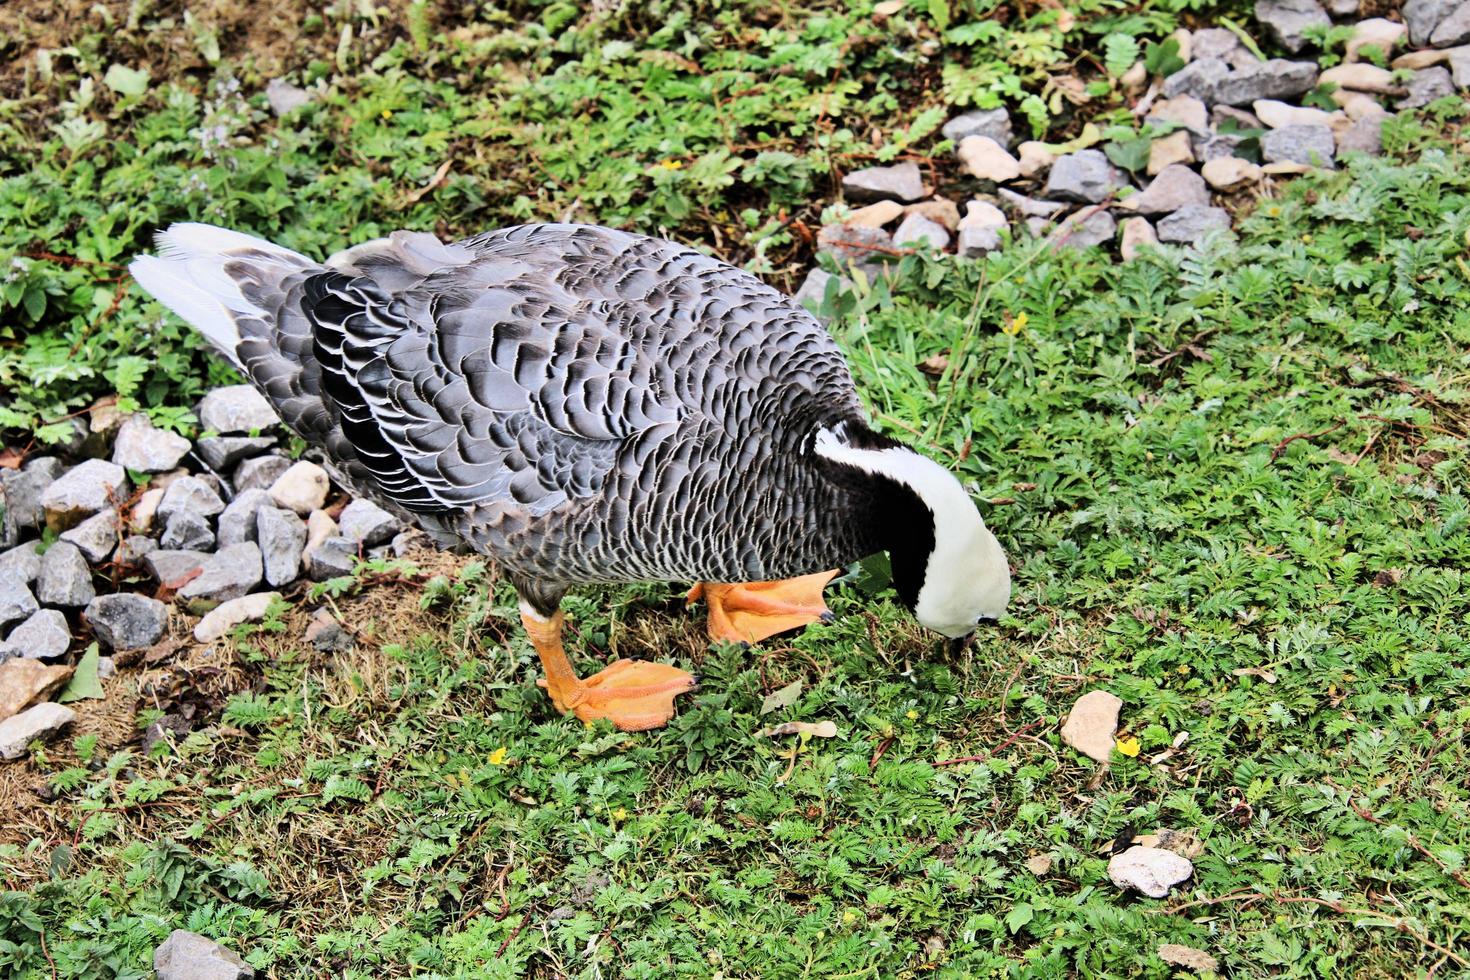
(953, 572)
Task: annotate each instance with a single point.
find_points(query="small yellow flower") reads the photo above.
(620, 813)
(912, 715)
(497, 758)
(1014, 325)
(1128, 746)
(849, 917)
(387, 113)
(671, 164)
(1184, 668)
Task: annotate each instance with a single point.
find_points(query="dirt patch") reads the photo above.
(264, 39)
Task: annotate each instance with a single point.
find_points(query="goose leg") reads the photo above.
(748, 612)
(634, 695)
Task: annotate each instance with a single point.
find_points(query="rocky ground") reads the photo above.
(132, 541)
(140, 528)
(1217, 132)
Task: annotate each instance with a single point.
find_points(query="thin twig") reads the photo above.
(47, 953)
(993, 752)
(1399, 924)
(1281, 446)
(878, 752)
(1409, 838)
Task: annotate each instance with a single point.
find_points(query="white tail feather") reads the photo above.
(188, 276)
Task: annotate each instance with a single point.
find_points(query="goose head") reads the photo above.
(947, 566)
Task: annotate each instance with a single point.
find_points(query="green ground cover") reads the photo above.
(1232, 483)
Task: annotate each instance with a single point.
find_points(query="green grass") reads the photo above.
(1233, 484)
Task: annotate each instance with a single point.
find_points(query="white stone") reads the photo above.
(39, 722)
(1169, 151)
(1136, 233)
(227, 615)
(1091, 724)
(1230, 174)
(1033, 158)
(1361, 77)
(1150, 870)
(986, 159)
(302, 488)
(876, 215)
(983, 214)
(1277, 115)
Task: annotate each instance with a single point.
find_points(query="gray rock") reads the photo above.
(1240, 118)
(1198, 78)
(1363, 136)
(281, 535)
(813, 290)
(127, 621)
(363, 520)
(96, 536)
(145, 449)
(857, 246)
(169, 567)
(20, 496)
(81, 492)
(1175, 187)
(106, 667)
(22, 562)
(333, 557)
(1214, 81)
(236, 408)
(33, 724)
(406, 541)
(1085, 176)
(64, 579)
(184, 531)
(1218, 145)
(1190, 225)
(43, 636)
(222, 452)
(285, 97)
(237, 521)
(259, 472)
(1085, 230)
(919, 230)
(1460, 67)
(995, 123)
(1454, 29)
(228, 574)
(1274, 79)
(17, 602)
(1427, 85)
(1217, 43)
(977, 240)
(1311, 145)
(1423, 16)
(134, 548)
(1343, 8)
(190, 956)
(189, 495)
(1031, 207)
(1287, 21)
(900, 182)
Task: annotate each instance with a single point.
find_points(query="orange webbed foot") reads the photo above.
(635, 695)
(748, 612)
